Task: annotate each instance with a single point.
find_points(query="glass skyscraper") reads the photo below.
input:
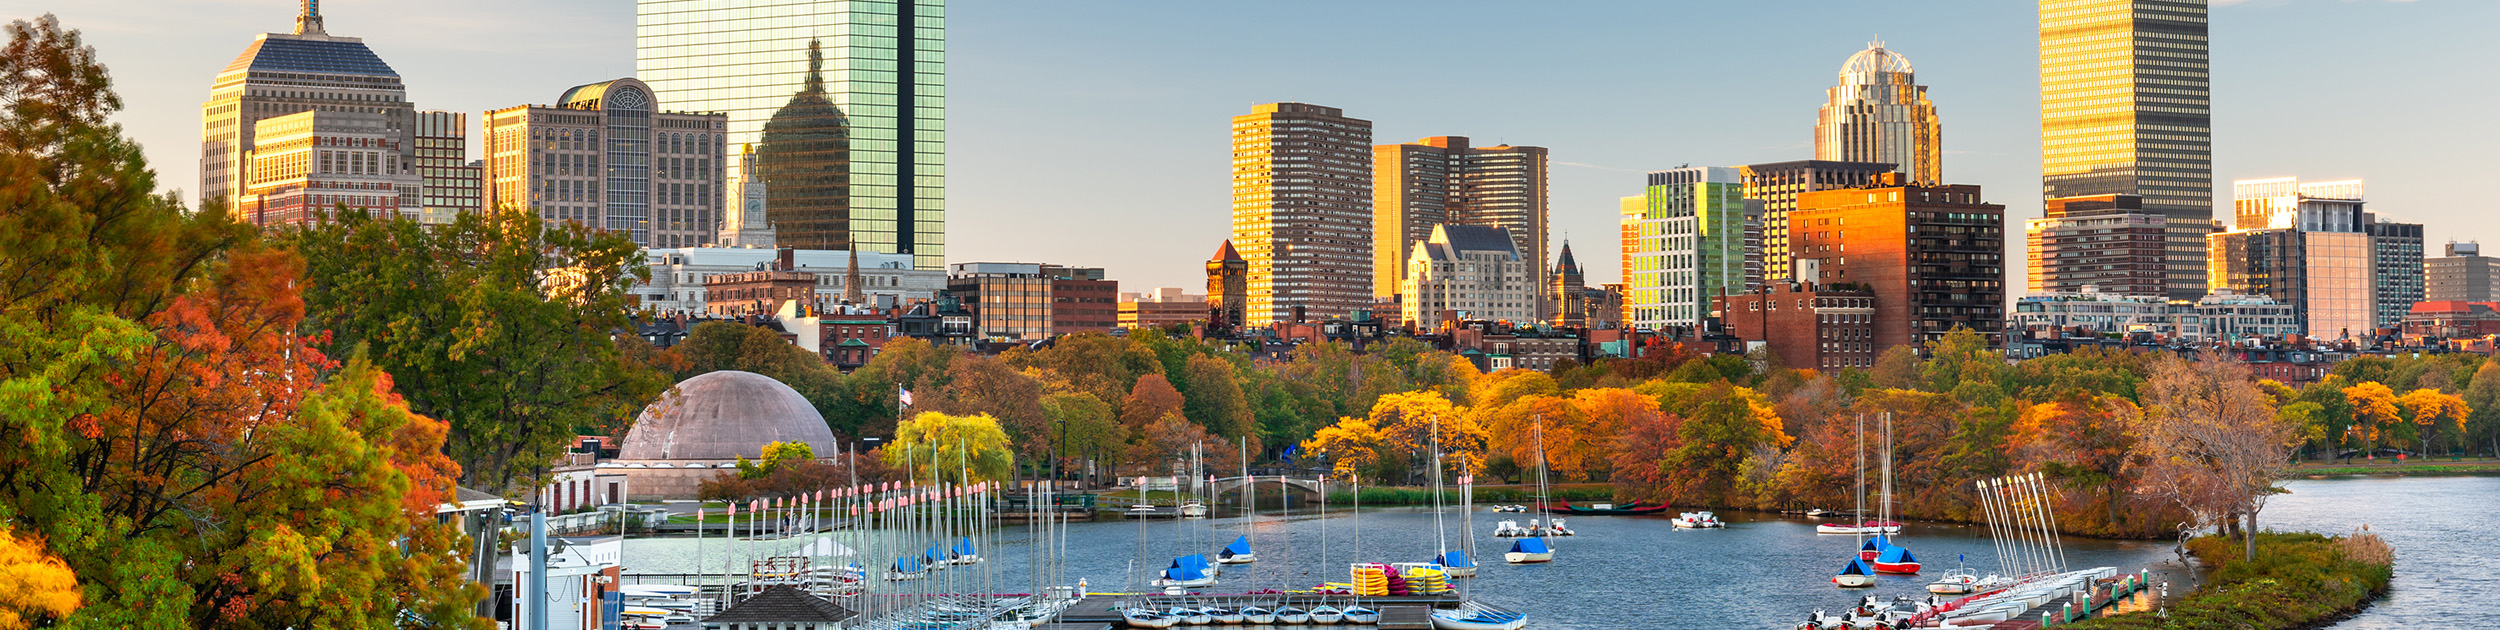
(1879, 113)
(1683, 244)
(2125, 110)
(844, 100)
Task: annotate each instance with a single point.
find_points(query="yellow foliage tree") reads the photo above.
(1352, 446)
(2374, 408)
(34, 585)
(951, 448)
(2430, 409)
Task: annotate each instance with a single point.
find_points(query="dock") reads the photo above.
(1395, 612)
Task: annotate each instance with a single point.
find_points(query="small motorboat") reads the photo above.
(1257, 615)
(1626, 509)
(1842, 529)
(1855, 575)
(1224, 615)
(1456, 563)
(1143, 618)
(1193, 509)
(1236, 553)
(1529, 550)
(1358, 615)
(1510, 508)
(1510, 529)
(1326, 615)
(1292, 616)
(1556, 528)
(1697, 520)
(1955, 582)
(1476, 616)
(1191, 616)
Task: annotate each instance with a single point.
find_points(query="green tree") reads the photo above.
(2482, 395)
(497, 322)
(1214, 398)
(1086, 425)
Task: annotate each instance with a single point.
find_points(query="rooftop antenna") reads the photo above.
(1877, 43)
(308, 18)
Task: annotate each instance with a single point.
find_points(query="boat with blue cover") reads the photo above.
(1477, 616)
(1236, 553)
(1529, 550)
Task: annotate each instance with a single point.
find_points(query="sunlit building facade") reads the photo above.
(2325, 277)
(2125, 109)
(308, 70)
(1302, 216)
(1879, 113)
(1468, 273)
(846, 102)
(2106, 243)
(1683, 244)
(2463, 275)
(306, 165)
(1934, 256)
(1776, 187)
(1428, 182)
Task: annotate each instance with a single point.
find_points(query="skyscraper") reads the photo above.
(1302, 192)
(1683, 244)
(308, 164)
(2313, 246)
(2124, 109)
(857, 90)
(1428, 182)
(285, 73)
(1879, 113)
(607, 156)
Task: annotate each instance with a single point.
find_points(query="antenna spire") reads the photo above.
(308, 18)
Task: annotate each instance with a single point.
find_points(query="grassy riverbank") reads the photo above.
(2480, 466)
(2298, 580)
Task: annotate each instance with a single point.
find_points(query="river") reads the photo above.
(1762, 571)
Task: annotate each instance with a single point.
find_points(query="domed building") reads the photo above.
(1879, 113)
(706, 423)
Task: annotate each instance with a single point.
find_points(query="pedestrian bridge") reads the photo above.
(1266, 491)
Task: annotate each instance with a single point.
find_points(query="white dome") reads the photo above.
(1875, 59)
(725, 415)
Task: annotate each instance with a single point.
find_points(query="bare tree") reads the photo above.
(2212, 442)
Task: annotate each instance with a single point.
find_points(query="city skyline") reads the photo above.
(1603, 134)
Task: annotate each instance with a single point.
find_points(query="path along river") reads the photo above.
(1762, 571)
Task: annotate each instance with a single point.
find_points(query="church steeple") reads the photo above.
(308, 18)
(850, 282)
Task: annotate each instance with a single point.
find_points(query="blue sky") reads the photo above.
(1094, 133)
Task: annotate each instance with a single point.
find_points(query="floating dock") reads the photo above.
(1410, 612)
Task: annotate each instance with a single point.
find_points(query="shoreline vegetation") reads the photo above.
(2298, 580)
(2474, 467)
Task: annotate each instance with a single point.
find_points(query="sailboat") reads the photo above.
(1453, 563)
(1236, 553)
(1889, 557)
(1476, 616)
(1531, 550)
(1187, 571)
(1857, 574)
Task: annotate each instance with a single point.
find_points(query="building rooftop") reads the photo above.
(317, 54)
(1875, 59)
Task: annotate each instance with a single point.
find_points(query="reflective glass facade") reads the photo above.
(1683, 244)
(2125, 109)
(868, 118)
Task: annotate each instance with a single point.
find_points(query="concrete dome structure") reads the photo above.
(723, 416)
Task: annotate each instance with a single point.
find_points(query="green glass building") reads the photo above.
(844, 102)
(1683, 244)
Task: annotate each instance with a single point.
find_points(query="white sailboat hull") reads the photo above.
(1515, 557)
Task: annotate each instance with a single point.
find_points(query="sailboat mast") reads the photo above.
(1440, 530)
(1860, 512)
(1887, 518)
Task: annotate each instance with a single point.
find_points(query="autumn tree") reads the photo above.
(169, 431)
(1086, 427)
(1148, 402)
(1167, 442)
(951, 448)
(2213, 443)
(1696, 451)
(2082, 440)
(35, 586)
(2374, 411)
(2432, 413)
(984, 385)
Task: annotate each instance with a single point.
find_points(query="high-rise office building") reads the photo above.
(2325, 277)
(1932, 255)
(1879, 113)
(2464, 275)
(2395, 268)
(1302, 193)
(1683, 244)
(846, 102)
(1777, 185)
(1470, 273)
(451, 179)
(1031, 302)
(308, 70)
(2124, 110)
(607, 156)
(306, 165)
(2393, 250)
(1428, 182)
(2107, 242)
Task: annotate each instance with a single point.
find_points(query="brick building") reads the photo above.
(2453, 320)
(1825, 327)
(760, 291)
(1932, 255)
(2105, 241)
(1031, 301)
